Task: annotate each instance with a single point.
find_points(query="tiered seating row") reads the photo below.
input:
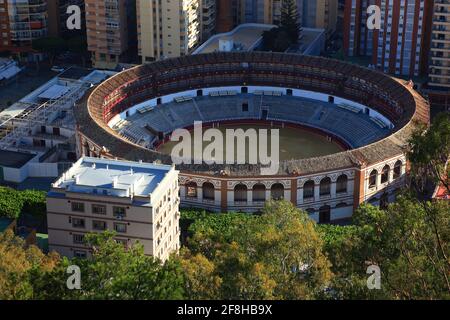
(357, 129)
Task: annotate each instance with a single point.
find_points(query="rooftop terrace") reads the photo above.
(248, 36)
(112, 178)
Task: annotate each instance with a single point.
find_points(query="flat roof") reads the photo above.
(9, 71)
(75, 73)
(54, 92)
(14, 159)
(247, 35)
(113, 177)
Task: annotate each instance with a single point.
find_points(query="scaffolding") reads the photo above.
(34, 114)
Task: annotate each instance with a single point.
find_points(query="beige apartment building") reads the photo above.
(170, 28)
(138, 201)
(109, 32)
(440, 46)
(322, 14)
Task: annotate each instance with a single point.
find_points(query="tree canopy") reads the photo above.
(13, 203)
(114, 273)
(277, 255)
(18, 264)
(409, 241)
(290, 20)
(50, 45)
(287, 33)
(429, 154)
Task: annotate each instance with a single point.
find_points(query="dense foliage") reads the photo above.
(13, 203)
(277, 255)
(50, 45)
(288, 32)
(53, 46)
(114, 273)
(19, 267)
(409, 241)
(280, 254)
(429, 154)
(10, 204)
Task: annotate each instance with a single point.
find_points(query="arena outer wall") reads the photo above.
(328, 187)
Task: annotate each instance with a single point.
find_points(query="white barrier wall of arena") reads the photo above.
(251, 89)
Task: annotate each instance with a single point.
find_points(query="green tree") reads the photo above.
(10, 203)
(17, 264)
(429, 154)
(78, 45)
(34, 202)
(291, 248)
(201, 280)
(52, 285)
(276, 40)
(116, 273)
(50, 45)
(290, 20)
(277, 255)
(411, 251)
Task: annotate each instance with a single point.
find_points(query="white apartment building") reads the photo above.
(170, 28)
(138, 201)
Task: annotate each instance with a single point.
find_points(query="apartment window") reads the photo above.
(99, 225)
(78, 223)
(98, 209)
(78, 238)
(77, 207)
(80, 254)
(120, 227)
(119, 211)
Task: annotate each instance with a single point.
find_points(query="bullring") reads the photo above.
(312, 93)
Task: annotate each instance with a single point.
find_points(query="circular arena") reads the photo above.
(345, 127)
